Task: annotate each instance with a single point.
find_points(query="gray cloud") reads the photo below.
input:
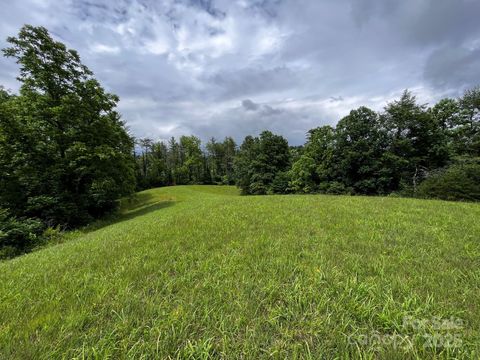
(456, 67)
(224, 67)
(249, 105)
(424, 23)
(246, 81)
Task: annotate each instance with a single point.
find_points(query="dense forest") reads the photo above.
(66, 157)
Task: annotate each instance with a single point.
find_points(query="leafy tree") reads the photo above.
(302, 175)
(321, 146)
(244, 170)
(259, 161)
(66, 155)
(280, 183)
(143, 162)
(174, 162)
(184, 162)
(229, 153)
(446, 113)
(4, 95)
(215, 155)
(360, 144)
(416, 144)
(151, 164)
(296, 152)
(158, 174)
(467, 131)
(316, 164)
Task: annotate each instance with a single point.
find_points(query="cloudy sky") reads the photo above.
(236, 67)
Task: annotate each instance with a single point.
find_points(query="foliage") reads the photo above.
(367, 153)
(393, 151)
(467, 130)
(280, 183)
(184, 162)
(459, 181)
(415, 143)
(220, 157)
(360, 144)
(259, 161)
(302, 175)
(18, 235)
(65, 154)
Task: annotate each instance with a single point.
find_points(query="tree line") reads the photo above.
(370, 153)
(184, 162)
(66, 157)
(408, 149)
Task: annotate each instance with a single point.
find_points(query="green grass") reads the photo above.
(200, 272)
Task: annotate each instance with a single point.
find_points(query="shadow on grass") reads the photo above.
(145, 209)
(142, 208)
(130, 208)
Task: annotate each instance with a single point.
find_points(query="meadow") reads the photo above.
(198, 272)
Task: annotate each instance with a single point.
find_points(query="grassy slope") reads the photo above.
(190, 271)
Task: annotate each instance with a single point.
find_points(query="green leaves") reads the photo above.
(69, 155)
(259, 161)
(17, 235)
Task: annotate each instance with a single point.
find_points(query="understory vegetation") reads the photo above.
(198, 272)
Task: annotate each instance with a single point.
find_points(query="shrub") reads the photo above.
(460, 181)
(280, 183)
(18, 235)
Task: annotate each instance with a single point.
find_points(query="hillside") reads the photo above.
(198, 271)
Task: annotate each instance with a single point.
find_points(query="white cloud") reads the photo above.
(186, 66)
(102, 49)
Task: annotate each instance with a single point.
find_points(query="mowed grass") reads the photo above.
(200, 272)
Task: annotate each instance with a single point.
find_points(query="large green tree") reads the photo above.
(262, 163)
(315, 168)
(416, 143)
(66, 156)
(360, 143)
(467, 130)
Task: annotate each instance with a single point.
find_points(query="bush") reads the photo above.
(460, 181)
(18, 235)
(280, 183)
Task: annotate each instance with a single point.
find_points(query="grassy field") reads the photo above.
(200, 272)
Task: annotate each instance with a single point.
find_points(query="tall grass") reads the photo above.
(200, 272)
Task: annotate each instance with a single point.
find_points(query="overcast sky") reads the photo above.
(236, 67)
